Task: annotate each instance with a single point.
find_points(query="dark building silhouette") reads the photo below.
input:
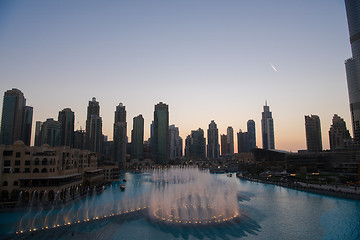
(16, 119)
(175, 142)
(353, 64)
(224, 145)
(79, 139)
(230, 140)
(93, 112)
(267, 127)
(161, 133)
(67, 119)
(213, 147)
(197, 145)
(120, 136)
(50, 133)
(339, 136)
(313, 133)
(251, 135)
(137, 138)
(37, 141)
(27, 124)
(242, 141)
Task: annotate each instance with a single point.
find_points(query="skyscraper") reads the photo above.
(67, 119)
(137, 138)
(230, 140)
(267, 127)
(120, 136)
(251, 135)
(95, 135)
(213, 147)
(353, 64)
(37, 141)
(27, 124)
(175, 143)
(224, 145)
(93, 111)
(197, 145)
(242, 141)
(339, 136)
(161, 133)
(50, 133)
(313, 133)
(16, 118)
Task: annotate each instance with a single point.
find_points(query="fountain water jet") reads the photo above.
(190, 196)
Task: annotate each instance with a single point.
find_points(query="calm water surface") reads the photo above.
(267, 212)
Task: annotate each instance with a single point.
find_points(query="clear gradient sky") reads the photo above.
(207, 59)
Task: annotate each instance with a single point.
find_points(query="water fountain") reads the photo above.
(178, 196)
(188, 196)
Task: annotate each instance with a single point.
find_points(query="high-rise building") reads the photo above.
(16, 120)
(37, 141)
(27, 124)
(313, 133)
(187, 146)
(230, 140)
(197, 145)
(79, 139)
(251, 135)
(175, 142)
(242, 141)
(67, 119)
(353, 64)
(137, 138)
(161, 133)
(120, 136)
(267, 127)
(95, 135)
(93, 111)
(339, 136)
(213, 147)
(224, 145)
(50, 133)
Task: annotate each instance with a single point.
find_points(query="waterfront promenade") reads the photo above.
(344, 191)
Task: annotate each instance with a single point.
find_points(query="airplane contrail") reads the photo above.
(273, 67)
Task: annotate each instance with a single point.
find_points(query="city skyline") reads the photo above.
(207, 62)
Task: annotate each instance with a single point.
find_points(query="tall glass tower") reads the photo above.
(352, 65)
(213, 147)
(67, 119)
(16, 118)
(120, 136)
(267, 127)
(161, 133)
(137, 138)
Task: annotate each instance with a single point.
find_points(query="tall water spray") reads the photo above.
(191, 196)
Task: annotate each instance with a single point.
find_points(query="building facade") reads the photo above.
(251, 135)
(16, 119)
(93, 112)
(230, 140)
(50, 133)
(313, 133)
(213, 147)
(267, 128)
(67, 120)
(161, 134)
(339, 136)
(175, 142)
(197, 145)
(120, 136)
(352, 65)
(43, 173)
(137, 138)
